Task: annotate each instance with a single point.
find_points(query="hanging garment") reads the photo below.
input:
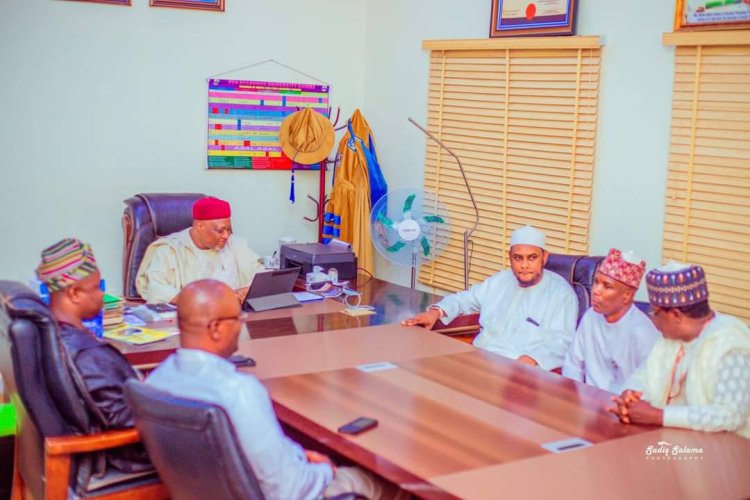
(358, 184)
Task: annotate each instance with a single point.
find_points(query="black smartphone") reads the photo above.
(240, 360)
(359, 425)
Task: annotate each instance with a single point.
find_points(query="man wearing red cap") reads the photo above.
(206, 250)
(614, 336)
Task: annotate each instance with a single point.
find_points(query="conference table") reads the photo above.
(457, 422)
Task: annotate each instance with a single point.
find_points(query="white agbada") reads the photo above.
(605, 354)
(174, 261)
(710, 388)
(537, 321)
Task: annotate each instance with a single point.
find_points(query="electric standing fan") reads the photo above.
(409, 227)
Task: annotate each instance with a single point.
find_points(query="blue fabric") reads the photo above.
(279, 463)
(292, 198)
(331, 227)
(378, 186)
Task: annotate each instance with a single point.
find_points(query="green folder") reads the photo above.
(7, 420)
(110, 299)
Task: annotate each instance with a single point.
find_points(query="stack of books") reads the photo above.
(113, 312)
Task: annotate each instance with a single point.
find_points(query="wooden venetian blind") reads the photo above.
(707, 218)
(521, 114)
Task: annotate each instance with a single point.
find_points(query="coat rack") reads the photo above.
(322, 199)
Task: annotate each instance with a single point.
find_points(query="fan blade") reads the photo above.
(409, 202)
(396, 247)
(433, 218)
(425, 246)
(383, 219)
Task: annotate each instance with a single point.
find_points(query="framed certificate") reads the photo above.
(190, 4)
(533, 17)
(115, 2)
(712, 14)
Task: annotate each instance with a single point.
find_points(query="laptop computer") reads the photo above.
(272, 290)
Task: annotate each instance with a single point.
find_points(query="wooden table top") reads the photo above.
(442, 415)
(456, 422)
(620, 469)
(291, 355)
(392, 303)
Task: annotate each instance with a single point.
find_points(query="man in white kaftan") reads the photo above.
(206, 250)
(525, 313)
(614, 336)
(698, 375)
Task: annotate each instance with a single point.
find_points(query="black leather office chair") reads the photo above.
(147, 217)
(55, 450)
(193, 446)
(579, 271)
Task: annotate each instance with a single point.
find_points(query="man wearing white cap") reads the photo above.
(524, 312)
(614, 336)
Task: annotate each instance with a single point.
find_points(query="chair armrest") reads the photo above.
(67, 445)
(463, 323)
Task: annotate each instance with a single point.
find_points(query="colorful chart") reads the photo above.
(244, 119)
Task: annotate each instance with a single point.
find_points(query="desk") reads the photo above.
(619, 469)
(442, 415)
(392, 303)
(455, 422)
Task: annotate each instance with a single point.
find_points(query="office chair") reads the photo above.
(579, 271)
(147, 217)
(56, 452)
(193, 446)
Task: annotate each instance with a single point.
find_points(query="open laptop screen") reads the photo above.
(272, 283)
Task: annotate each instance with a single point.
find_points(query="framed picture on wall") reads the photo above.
(114, 2)
(712, 14)
(190, 4)
(533, 17)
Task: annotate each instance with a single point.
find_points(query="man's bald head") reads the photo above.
(207, 312)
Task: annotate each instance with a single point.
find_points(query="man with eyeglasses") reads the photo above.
(614, 336)
(698, 375)
(206, 250)
(210, 322)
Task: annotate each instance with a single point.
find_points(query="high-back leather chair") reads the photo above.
(579, 271)
(193, 446)
(147, 217)
(55, 448)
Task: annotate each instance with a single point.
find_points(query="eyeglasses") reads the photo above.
(242, 317)
(654, 312)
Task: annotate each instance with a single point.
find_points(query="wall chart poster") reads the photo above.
(244, 119)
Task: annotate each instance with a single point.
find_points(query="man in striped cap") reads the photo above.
(698, 375)
(69, 270)
(614, 336)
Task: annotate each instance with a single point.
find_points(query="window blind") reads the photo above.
(707, 218)
(521, 114)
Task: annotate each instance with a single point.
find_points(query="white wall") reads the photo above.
(634, 108)
(100, 102)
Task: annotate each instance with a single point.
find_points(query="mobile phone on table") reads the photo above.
(358, 426)
(240, 360)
